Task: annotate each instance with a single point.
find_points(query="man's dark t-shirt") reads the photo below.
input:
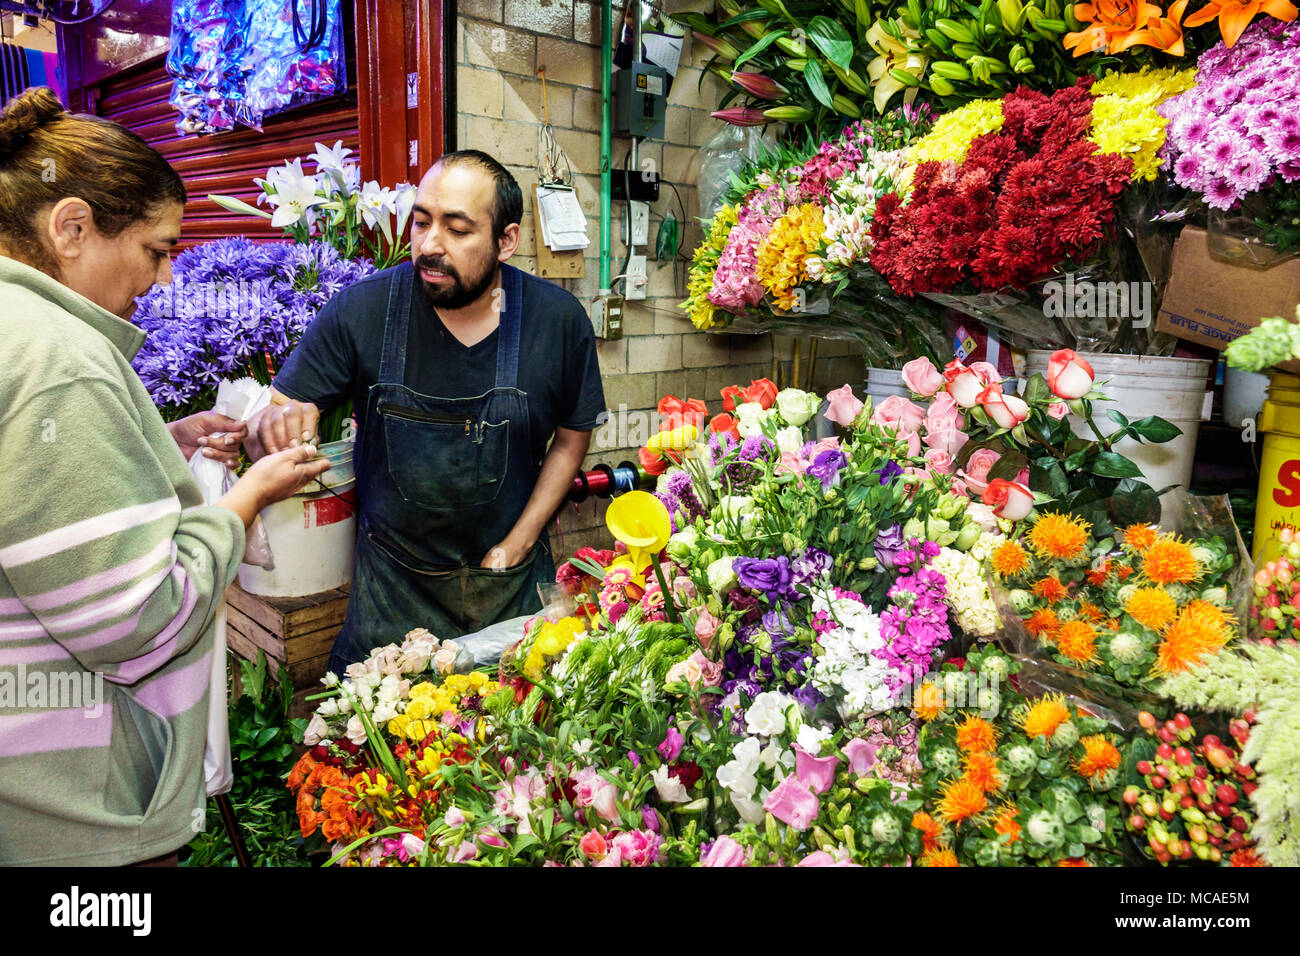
(338, 357)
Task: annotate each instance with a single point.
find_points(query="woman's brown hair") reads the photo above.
(48, 154)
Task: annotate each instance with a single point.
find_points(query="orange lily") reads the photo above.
(1235, 15)
(1109, 24)
(1165, 33)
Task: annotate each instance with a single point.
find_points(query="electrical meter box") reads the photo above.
(640, 99)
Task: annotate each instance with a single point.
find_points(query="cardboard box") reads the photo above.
(1212, 302)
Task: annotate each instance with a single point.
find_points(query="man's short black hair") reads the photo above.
(508, 206)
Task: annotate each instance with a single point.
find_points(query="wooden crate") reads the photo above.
(296, 633)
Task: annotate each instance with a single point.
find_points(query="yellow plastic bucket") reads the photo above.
(1278, 505)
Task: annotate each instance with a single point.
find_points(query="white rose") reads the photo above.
(721, 576)
(328, 708)
(749, 413)
(796, 406)
(445, 659)
(385, 710)
(670, 789)
(686, 538)
(316, 731)
(356, 732)
(735, 507)
(789, 439)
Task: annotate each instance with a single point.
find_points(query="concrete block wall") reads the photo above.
(502, 105)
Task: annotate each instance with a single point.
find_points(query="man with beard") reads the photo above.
(461, 368)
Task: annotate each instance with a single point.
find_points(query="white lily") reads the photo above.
(352, 177)
(292, 200)
(376, 205)
(331, 160)
(404, 203)
(892, 53)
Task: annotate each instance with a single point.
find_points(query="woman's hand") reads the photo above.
(201, 431)
(273, 478)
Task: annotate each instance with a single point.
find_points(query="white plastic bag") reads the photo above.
(730, 150)
(237, 400)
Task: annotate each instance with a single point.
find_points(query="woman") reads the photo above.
(111, 567)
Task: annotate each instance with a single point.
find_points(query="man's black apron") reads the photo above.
(440, 481)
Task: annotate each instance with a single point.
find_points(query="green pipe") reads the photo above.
(606, 147)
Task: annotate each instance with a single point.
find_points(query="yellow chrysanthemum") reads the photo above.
(1170, 561)
(1099, 756)
(1200, 629)
(952, 134)
(1077, 640)
(977, 735)
(962, 799)
(782, 262)
(1044, 715)
(1151, 607)
(1125, 120)
(1010, 559)
(1059, 537)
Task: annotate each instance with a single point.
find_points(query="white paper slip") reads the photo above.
(564, 225)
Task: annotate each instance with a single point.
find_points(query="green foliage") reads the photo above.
(261, 745)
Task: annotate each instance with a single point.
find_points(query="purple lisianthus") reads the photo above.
(891, 471)
(777, 625)
(812, 566)
(772, 576)
(889, 545)
(826, 467)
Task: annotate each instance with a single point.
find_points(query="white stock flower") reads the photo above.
(385, 710)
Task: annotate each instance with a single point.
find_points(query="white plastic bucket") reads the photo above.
(1140, 385)
(1243, 395)
(884, 382)
(312, 534)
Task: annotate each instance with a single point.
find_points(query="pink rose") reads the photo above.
(958, 487)
(943, 413)
(898, 413)
(593, 845)
(696, 670)
(922, 377)
(1009, 499)
(793, 803)
(948, 440)
(706, 625)
(825, 444)
(724, 851)
(1058, 410)
(988, 373)
(939, 461)
(1068, 375)
(817, 773)
(791, 464)
(844, 406)
(977, 469)
(1007, 411)
(861, 754)
(962, 384)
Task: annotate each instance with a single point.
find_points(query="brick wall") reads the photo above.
(500, 109)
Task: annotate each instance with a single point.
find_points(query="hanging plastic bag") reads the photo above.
(729, 151)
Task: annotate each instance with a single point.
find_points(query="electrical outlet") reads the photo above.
(607, 316)
(636, 277)
(639, 212)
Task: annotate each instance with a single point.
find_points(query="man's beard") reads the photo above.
(458, 294)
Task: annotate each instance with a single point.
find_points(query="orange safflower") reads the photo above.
(1246, 857)
(962, 799)
(1099, 756)
(1050, 589)
(982, 770)
(928, 703)
(1153, 608)
(1200, 629)
(1235, 15)
(939, 857)
(1010, 559)
(931, 830)
(1074, 861)
(1044, 715)
(975, 734)
(1097, 576)
(1108, 24)
(1077, 640)
(1043, 624)
(1170, 561)
(1138, 537)
(1090, 612)
(1123, 571)
(1005, 823)
(1060, 537)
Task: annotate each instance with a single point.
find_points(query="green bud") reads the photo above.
(834, 536)
(967, 538)
(946, 69)
(955, 31)
(850, 839)
(941, 86)
(725, 636)
(822, 839)
(772, 834)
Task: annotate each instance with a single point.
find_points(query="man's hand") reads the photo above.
(283, 424)
(507, 554)
(201, 431)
